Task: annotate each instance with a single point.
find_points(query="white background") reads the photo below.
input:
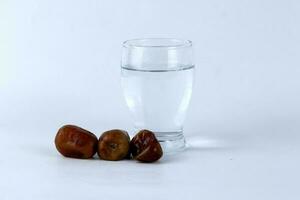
(59, 64)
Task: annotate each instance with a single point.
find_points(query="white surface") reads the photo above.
(213, 168)
(59, 63)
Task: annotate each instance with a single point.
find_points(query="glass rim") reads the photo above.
(170, 43)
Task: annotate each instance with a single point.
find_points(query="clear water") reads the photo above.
(158, 100)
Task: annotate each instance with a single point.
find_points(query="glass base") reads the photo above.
(171, 142)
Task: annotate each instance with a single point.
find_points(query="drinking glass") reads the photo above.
(157, 79)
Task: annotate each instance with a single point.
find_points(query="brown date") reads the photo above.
(75, 142)
(113, 145)
(144, 147)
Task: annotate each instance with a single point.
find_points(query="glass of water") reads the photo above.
(157, 79)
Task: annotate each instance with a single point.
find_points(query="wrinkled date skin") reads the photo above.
(144, 147)
(114, 145)
(75, 142)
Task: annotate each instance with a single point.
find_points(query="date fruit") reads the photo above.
(75, 142)
(113, 145)
(144, 147)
